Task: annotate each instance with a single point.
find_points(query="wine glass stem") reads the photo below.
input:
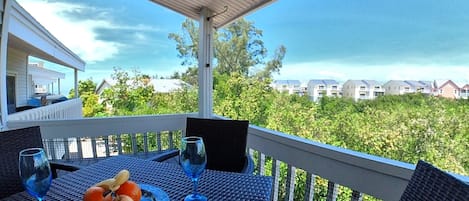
(194, 191)
(39, 199)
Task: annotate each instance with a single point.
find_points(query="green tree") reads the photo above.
(90, 100)
(238, 48)
(130, 93)
(84, 87)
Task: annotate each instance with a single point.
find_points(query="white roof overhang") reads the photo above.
(44, 76)
(225, 11)
(28, 35)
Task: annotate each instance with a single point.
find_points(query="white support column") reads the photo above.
(76, 82)
(58, 86)
(205, 64)
(3, 62)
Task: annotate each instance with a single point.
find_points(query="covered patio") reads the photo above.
(22, 37)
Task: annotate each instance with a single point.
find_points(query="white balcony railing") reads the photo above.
(68, 109)
(362, 173)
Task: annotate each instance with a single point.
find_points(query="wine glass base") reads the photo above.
(195, 197)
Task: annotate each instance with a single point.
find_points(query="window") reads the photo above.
(11, 94)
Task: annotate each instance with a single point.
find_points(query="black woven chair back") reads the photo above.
(11, 143)
(429, 183)
(225, 142)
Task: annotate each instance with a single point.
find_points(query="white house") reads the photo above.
(288, 86)
(399, 87)
(362, 89)
(320, 88)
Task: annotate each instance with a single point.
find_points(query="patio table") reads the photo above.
(216, 185)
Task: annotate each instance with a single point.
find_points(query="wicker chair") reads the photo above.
(429, 183)
(13, 141)
(225, 144)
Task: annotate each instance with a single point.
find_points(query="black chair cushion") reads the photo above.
(11, 143)
(225, 142)
(429, 183)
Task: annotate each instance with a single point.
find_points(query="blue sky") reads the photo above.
(325, 39)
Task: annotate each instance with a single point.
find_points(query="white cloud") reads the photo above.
(398, 71)
(79, 35)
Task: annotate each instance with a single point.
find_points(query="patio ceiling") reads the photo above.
(225, 11)
(26, 34)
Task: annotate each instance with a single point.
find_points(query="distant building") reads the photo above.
(168, 85)
(288, 86)
(319, 88)
(399, 87)
(464, 91)
(362, 89)
(447, 89)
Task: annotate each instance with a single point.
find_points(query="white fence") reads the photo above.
(68, 109)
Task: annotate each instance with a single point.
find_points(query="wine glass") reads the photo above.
(35, 172)
(193, 160)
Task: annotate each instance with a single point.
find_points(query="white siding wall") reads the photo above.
(392, 88)
(16, 66)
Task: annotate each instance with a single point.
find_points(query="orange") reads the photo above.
(95, 193)
(130, 189)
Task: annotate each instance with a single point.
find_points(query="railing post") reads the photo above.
(309, 188)
(66, 148)
(133, 138)
(93, 147)
(79, 148)
(332, 191)
(158, 140)
(276, 176)
(171, 140)
(106, 145)
(145, 142)
(290, 183)
(261, 163)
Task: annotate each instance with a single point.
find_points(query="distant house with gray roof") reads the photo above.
(399, 87)
(362, 89)
(319, 88)
(288, 86)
